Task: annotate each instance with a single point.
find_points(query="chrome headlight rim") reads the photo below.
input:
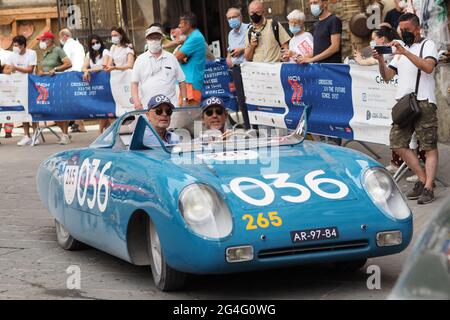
(395, 188)
(219, 196)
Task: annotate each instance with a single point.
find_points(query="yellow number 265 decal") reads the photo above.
(262, 222)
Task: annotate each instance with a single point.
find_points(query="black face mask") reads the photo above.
(256, 18)
(408, 38)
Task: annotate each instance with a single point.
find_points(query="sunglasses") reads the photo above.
(210, 112)
(167, 112)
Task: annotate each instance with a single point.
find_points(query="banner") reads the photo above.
(14, 98)
(219, 83)
(346, 100)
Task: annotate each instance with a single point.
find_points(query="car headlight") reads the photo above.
(385, 193)
(205, 212)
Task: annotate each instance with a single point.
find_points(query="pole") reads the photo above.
(90, 18)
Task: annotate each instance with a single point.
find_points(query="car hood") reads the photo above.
(284, 171)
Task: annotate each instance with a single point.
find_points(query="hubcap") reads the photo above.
(63, 231)
(156, 249)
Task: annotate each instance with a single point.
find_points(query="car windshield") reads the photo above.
(188, 131)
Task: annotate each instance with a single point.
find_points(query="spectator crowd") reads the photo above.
(170, 73)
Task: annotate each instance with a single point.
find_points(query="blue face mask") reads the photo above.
(295, 29)
(234, 23)
(316, 10)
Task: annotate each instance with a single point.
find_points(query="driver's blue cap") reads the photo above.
(212, 101)
(158, 100)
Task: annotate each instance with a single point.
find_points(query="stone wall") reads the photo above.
(443, 101)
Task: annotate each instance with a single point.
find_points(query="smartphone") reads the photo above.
(383, 49)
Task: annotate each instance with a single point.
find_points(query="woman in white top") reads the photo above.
(302, 44)
(121, 55)
(96, 57)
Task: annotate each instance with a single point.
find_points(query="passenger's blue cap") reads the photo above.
(212, 101)
(158, 100)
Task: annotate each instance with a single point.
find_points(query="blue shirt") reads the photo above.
(195, 50)
(150, 140)
(236, 39)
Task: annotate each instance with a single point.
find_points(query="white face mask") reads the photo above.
(43, 45)
(373, 43)
(402, 4)
(154, 46)
(96, 46)
(116, 40)
(16, 50)
(183, 37)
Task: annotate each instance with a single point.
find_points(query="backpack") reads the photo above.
(275, 29)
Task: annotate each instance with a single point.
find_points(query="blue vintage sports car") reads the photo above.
(208, 206)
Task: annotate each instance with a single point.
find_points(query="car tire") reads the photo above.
(65, 240)
(165, 278)
(350, 266)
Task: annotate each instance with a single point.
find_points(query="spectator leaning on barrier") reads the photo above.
(121, 55)
(192, 57)
(236, 37)
(156, 72)
(426, 125)
(327, 35)
(393, 16)
(54, 60)
(302, 43)
(265, 37)
(95, 61)
(22, 60)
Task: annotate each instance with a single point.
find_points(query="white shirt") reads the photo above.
(29, 58)
(4, 55)
(75, 52)
(407, 73)
(120, 55)
(302, 44)
(157, 76)
(98, 63)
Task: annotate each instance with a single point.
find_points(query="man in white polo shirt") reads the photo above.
(410, 61)
(156, 72)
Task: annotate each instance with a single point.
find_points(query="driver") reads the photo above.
(214, 117)
(159, 114)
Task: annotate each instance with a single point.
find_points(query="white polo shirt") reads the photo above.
(157, 76)
(29, 58)
(75, 52)
(407, 73)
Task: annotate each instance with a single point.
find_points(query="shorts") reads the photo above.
(194, 96)
(426, 128)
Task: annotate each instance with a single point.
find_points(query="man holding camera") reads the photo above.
(415, 68)
(266, 38)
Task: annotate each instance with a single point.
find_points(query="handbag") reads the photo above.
(407, 110)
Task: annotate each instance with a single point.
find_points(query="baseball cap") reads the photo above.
(153, 29)
(212, 101)
(46, 35)
(158, 100)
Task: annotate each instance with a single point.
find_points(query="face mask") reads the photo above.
(154, 46)
(234, 23)
(172, 37)
(62, 41)
(373, 44)
(116, 40)
(402, 4)
(408, 38)
(43, 45)
(256, 18)
(16, 50)
(316, 10)
(183, 37)
(96, 46)
(295, 29)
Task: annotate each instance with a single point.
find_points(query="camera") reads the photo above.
(256, 35)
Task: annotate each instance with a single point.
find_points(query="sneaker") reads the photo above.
(24, 142)
(416, 192)
(65, 139)
(413, 178)
(426, 197)
(392, 169)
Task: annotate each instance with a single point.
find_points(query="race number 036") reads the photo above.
(281, 182)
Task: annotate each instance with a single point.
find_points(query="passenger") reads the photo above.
(159, 114)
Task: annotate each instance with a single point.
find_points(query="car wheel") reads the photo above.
(65, 240)
(165, 278)
(350, 266)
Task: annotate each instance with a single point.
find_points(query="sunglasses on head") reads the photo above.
(211, 111)
(167, 112)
